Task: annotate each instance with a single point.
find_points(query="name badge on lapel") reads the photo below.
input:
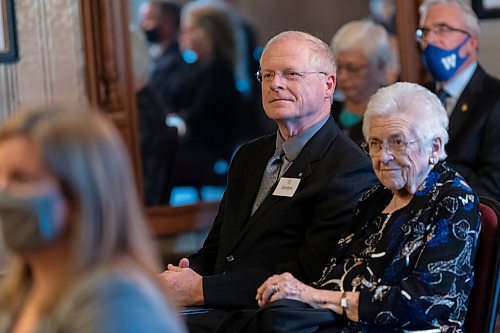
(286, 187)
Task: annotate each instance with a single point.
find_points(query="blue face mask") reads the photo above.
(443, 64)
(30, 223)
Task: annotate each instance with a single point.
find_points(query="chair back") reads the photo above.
(483, 303)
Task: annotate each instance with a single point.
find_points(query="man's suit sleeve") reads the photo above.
(484, 176)
(203, 261)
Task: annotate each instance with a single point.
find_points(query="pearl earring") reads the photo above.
(432, 160)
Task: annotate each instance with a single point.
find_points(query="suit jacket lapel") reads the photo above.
(300, 168)
(250, 182)
(466, 103)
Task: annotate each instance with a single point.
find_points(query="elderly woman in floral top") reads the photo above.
(407, 262)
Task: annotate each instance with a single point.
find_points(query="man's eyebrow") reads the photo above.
(397, 136)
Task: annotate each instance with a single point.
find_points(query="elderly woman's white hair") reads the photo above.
(369, 38)
(415, 104)
(468, 15)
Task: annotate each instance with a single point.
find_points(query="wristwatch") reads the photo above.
(343, 303)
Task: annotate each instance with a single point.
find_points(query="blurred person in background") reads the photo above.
(365, 62)
(82, 257)
(245, 63)
(383, 12)
(159, 20)
(208, 118)
(253, 122)
(449, 34)
(158, 141)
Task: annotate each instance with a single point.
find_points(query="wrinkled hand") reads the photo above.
(284, 286)
(184, 285)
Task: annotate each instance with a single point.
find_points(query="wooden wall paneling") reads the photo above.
(407, 23)
(109, 80)
(166, 221)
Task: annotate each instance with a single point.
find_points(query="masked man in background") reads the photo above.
(160, 21)
(449, 36)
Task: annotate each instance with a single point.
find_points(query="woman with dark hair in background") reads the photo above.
(209, 117)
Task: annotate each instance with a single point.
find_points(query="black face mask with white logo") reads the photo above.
(153, 35)
(30, 223)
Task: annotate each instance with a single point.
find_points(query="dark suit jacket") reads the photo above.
(212, 106)
(294, 234)
(474, 145)
(167, 72)
(158, 148)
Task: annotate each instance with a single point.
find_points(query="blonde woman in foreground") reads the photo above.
(82, 259)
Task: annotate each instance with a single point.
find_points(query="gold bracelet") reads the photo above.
(343, 303)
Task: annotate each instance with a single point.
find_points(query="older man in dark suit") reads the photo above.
(316, 174)
(449, 36)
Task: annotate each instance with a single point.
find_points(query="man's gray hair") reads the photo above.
(321, 55)
(469, 17)
(415, 104)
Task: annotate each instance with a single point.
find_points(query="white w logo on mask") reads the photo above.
(449, 61)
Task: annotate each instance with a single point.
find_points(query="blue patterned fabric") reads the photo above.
(413, 267)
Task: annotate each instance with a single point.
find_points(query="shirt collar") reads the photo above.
(293, 146)
(456, 85)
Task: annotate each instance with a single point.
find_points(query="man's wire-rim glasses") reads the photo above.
(287, 75)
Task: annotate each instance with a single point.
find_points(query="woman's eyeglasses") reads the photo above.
(395, 145)
(351, 68)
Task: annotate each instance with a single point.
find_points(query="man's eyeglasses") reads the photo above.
(351, 68)
(440, 30)
(288, 75)
(395, 145)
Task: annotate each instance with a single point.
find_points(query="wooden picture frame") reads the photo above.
(8, 36)
(486, 8)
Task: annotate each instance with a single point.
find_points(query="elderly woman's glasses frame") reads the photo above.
(287, 75)
(395, 146)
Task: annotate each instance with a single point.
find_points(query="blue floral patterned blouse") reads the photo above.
(413, 267)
